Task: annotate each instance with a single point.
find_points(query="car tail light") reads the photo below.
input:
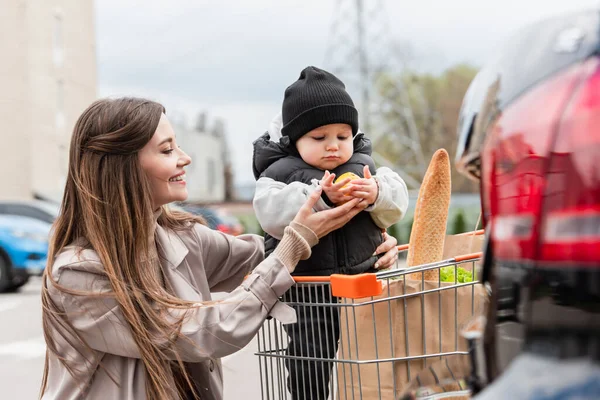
(516, 158)
(571, 203)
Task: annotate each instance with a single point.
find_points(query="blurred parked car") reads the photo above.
(229, 223)
(529, 131)
(23, 249)
(216, 219)
(37, 209)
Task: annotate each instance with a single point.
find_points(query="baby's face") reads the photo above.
(326, 147)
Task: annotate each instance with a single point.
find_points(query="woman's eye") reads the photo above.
(167, 151)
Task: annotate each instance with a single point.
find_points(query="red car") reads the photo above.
(216, 219)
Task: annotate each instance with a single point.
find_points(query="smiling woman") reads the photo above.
(126, 295)
(164, 162)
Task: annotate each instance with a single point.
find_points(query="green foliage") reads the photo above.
(435, 102)
(395, 231)
(250, 224)
(459, 224)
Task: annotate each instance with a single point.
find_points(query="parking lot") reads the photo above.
(22, 350)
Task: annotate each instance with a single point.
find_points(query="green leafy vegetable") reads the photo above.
(462, 275)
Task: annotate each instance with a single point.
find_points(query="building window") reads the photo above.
(58, 40)
(60, 104)
(210, 175)
(63, 156)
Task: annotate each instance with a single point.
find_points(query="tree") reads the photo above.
(418, 114)
(459, 224)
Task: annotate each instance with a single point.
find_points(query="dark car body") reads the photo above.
(36, 209)
(529, 132)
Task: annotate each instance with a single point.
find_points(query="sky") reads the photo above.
(234, 59)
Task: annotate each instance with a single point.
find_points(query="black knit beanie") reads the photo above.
(317, 98)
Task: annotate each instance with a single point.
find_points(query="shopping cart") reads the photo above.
(391, 328)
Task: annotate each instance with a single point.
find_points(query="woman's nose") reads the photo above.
(184, 159)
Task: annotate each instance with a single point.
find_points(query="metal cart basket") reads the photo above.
(367, 336)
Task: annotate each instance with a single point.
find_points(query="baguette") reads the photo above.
(426, 244)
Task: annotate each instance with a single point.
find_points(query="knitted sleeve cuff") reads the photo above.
(306, 233)
(294, 246)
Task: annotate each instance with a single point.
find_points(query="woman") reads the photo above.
(127, 312)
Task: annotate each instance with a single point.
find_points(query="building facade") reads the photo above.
(205, 175)
(48, 77)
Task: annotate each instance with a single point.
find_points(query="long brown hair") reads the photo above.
(107, 204)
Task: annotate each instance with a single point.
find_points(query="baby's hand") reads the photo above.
(333, 190)
(364, 188)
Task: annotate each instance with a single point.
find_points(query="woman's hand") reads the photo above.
(323, 222)
(390, 248)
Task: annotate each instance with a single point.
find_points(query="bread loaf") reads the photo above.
(426, 244)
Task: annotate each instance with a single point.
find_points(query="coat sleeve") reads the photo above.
(392, 202)
(211, 330)
(276, 203)
(227, 259)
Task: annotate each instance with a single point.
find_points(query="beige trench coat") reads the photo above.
(195, 262)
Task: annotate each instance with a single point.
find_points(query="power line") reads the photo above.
(361, 51)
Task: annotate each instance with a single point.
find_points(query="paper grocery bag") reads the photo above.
(413, 325)
(456, 245)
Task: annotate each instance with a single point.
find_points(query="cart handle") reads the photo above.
(349, 286)
(403, 247)
(363, 285)
(467, 257)
(474, 233)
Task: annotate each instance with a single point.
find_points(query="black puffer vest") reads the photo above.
(348, 250)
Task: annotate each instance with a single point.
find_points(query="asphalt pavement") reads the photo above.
(22, 350)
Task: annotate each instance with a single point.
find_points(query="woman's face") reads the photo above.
(164, 162)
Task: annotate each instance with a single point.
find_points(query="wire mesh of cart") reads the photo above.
(367, 336)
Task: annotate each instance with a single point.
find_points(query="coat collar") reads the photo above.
(171, 248)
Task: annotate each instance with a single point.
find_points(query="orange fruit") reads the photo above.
(343, 176)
